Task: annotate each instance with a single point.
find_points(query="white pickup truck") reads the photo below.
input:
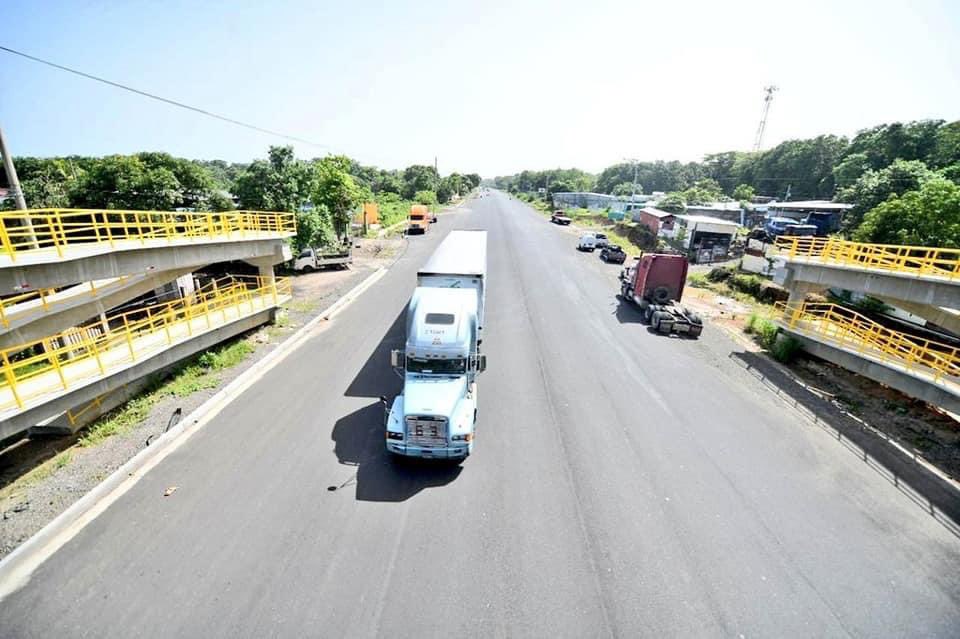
(312, 259)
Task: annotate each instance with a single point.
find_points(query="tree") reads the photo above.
(744, 193)
(626, 188)
(445, 191)
(806, 166)
(703, 192)
(419, 177)
(125, 182)
(313, 228)
(672, 203)
(219, 201)
(850, 169)
(946, 150)
(873, 187)
(883, 144)
(280, 183)
(336, 191)
(425, 197)
(929, 216)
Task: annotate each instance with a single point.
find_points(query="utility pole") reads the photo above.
(767, 99)
(14, 182)
(11, 174)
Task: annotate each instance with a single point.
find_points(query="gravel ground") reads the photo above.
(34, 490)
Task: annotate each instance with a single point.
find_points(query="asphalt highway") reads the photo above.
(623, 484)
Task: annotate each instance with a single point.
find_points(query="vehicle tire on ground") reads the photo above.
(695, 330)
(308, 269)
(648, 314)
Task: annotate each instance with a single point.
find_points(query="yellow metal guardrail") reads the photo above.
(919, 260)
(58, 229)
(78, 354)
(845, 327)
(47, 301)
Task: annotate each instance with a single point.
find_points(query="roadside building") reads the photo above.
(583, 200)
(660, 222)
(729, 211)
(705, 239)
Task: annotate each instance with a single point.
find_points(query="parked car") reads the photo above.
(601, 239)
(613, 253)
(559, 218)
(587, 242)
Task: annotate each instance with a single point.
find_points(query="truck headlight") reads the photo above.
(462, 438)
(392, 435)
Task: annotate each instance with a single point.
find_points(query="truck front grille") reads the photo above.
(427, 431)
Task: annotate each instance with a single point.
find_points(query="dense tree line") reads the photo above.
(323, 191)
(881, 171)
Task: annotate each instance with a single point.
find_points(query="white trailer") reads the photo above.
(459, 262)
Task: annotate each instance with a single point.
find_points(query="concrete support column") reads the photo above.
(268, 279)
(799, 290)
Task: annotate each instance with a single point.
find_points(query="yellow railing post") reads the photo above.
(96, 354)
(6, 243)
(11, 379)
(126, 331)
(54, 358)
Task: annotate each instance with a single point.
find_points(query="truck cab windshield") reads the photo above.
(437, 366)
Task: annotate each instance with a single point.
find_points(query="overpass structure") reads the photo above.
(66, 356)
(923, 281)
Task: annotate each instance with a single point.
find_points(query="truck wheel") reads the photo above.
(648, 315)
(661, 294)
(696, 330)
(665, 325)
(654, 319)
(308, 269)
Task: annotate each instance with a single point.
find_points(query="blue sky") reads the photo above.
(491, 87)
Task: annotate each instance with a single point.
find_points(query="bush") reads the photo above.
(766, 332)
(751, 324)
(719, 274)
(771, 293)
(749, 284)
(785, 349)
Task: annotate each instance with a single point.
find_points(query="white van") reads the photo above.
(588, 242)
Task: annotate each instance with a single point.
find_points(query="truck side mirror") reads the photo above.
(398, 359)
(481, 363)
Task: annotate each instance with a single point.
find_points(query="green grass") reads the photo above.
(698, 280)
(302, 306)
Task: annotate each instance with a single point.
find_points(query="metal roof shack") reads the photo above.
(696, 220)
(460, 253)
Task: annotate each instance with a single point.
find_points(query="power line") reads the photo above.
(162, 99)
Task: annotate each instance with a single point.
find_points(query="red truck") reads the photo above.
(654, 282)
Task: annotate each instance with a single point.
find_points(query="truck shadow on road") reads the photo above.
(627, 313)
(359, 437)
